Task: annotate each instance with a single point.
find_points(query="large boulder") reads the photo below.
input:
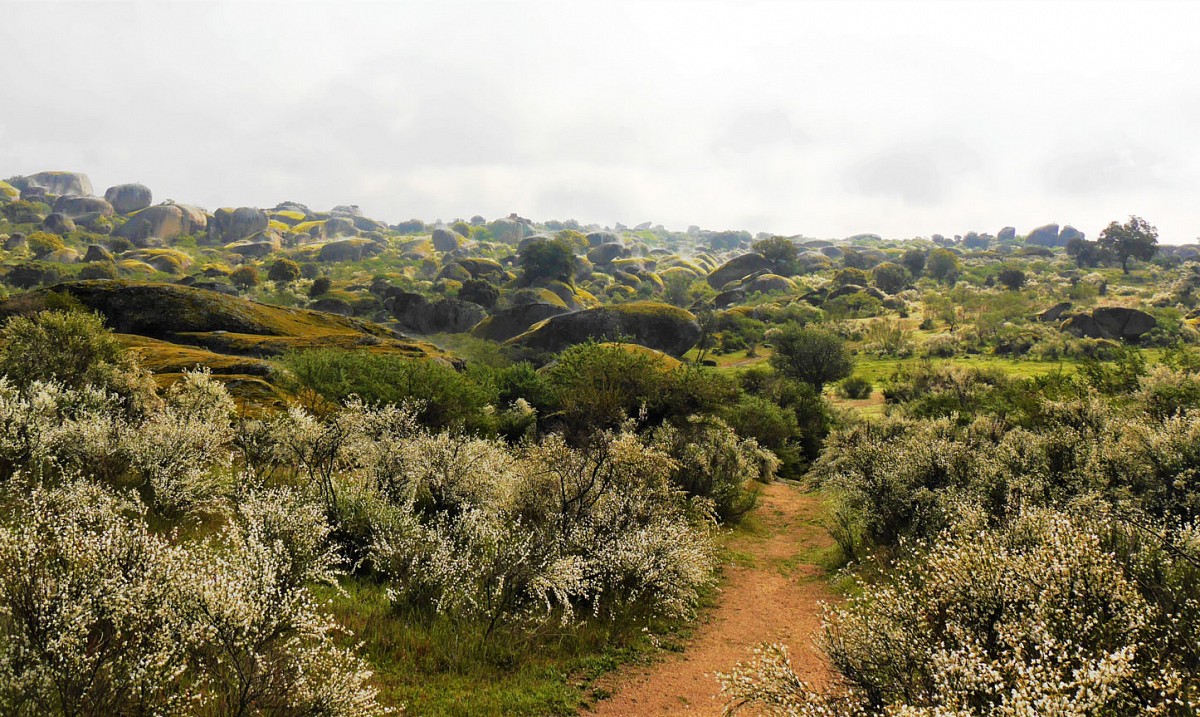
(1119, 322)
(509, 230)
(1110, 322)
(417, 314)
(129, 198)
(76, 206)
(1054, 313)
(348, 250)
(73, 183)
(340, 227)
(447, 239)
(231, 225)
(95, 252)
(58, 223)
(737, 269)
(162, 221)
(1045, 236)
(598, 238)
(507, 323)
(605, 253)
(1068, 233)
(769, 284)
(658, 326)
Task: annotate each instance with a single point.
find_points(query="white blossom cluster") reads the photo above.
(1038, 617)
(159, 561)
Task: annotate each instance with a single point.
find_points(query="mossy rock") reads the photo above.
(665, 362)
(621, 291)
(347, 250)
(416, 249)
(314, 228)
(168, 261)
(221, 323)
(480, 268)
(770, 284)
(9, 191)
(133, 266)
(507, 323)
(658, 326)
(287, 217)
(654, 280)
(737, 269)
(454, 272)
(166, 357)
(538, 295)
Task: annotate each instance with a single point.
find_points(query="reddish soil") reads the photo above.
(771, 593)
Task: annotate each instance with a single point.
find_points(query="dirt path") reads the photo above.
(770, 594)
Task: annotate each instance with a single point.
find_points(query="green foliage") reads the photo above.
(320, 286)
(443, 398)
(549, 259)
(890, 278)
(913, 260)
(942, 265)
(810, 355)
(855, 387)
(245, 276)
(42, 243)
(1013, 278)
(283, 270)
(781, 252)
(74, 349)
(1135, 239)
(480, 292)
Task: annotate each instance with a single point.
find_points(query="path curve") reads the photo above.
(771, 594)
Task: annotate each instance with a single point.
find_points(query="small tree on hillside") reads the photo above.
(1012, 278)
(1135, 239)
(781, 252)
(942, 265)
(548, 259)
(914, 261)
(814, 356)
(890, 277)
(284, 271)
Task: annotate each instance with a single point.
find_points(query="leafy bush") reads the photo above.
(855, 387)
(813, 356)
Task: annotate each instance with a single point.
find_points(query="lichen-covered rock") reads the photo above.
(259, 245)
(75, 206)
(74, 183)
(1068, 233)
(162, 221)
(509, 230)
(417, 314)
(1054, 313)
(232, 225)
(737, 269)
(454, 272)
(8, 192)
(1111, 322)
(769, 284)
(340, 227)
(58, 223)
(447, 239)
(348, 250)
(62, 256)
(605, 253)
(332, 305)
(598, 238)
(129, 198)
(657, 326)
(1047, 236)
(507, 323)
(1007, 234)
(480, 268)
(95, 252)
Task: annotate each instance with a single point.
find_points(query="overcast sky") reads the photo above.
(821, 118)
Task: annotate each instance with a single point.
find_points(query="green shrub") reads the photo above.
(855, 387)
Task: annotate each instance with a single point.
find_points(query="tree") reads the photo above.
(942, 265)
(320, 285)
(781, 252)
(914, 261)
(284, 270)
(1012, 277)
(1085, 253)
(548, 259)
(245, 276)
(813, 356)
(1135, 239)
(890, 277)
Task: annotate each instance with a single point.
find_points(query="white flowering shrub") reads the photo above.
(713, 462)
(1038, 617)
(181, 452)
(87, 607)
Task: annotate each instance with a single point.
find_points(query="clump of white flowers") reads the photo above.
(1037, 617)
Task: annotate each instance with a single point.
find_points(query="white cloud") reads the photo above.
(826, 118)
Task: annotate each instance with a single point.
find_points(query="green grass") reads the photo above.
(433, 666)
(877, 370)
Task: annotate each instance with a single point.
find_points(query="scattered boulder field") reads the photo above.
(233, 287)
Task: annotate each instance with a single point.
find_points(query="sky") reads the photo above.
(826, 119)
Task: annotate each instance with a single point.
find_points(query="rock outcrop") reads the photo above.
(658, 326)
(129, 198)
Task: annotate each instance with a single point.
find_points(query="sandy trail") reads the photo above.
(772, 594)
